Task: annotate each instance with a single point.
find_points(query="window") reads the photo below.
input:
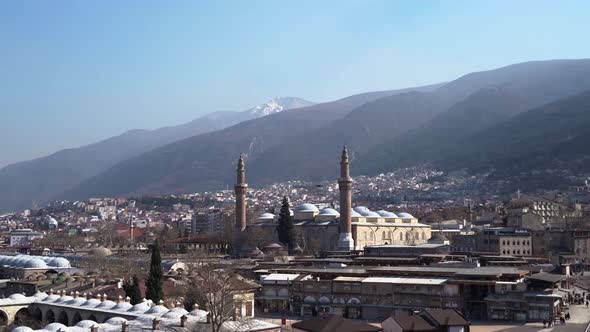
(390, 235)
(372, 236)
(423, 235)
(383, 236)
(401, 236)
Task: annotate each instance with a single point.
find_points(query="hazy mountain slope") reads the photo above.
(205, 161)
(314, 155)
(305, 143)
(552, 136)
(417, 126)
(531, 85)
(40, 179)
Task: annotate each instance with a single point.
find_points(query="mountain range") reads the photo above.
(514, 118)
(38, 180)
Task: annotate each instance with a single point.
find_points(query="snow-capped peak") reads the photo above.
(279, 104)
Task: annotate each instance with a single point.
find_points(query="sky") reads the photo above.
(75, 72)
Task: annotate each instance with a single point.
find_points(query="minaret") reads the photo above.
(240, 189)
(345, 240)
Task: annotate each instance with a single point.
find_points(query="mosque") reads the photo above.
(342, 229)
(26, 267)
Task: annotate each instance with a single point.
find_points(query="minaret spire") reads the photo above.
(345, 240)
(240, 190)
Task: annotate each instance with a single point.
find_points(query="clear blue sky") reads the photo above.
(73, 72)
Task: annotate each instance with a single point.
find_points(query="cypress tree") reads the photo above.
(136, 293)
(285, 229)
(153, 284)
(133, 291)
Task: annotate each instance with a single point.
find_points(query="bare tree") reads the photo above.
(215, 289)
(105, 234)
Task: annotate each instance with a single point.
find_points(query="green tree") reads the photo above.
(133, 291)
(153, 284)
(286, 229)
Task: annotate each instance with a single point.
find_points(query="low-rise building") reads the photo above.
(23, 237)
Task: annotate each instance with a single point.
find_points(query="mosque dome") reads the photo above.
(266, 216)
(51, 298)
(108, 304)
(51, 222)
(4, 260)
(86, 324)
(91, 303)
(172, 315)
(17, 297)
(64, 299)
(355, 214)
(198, 313)
(140, 307)
(180, 310)
(329, 212)
(18, 261)
(40, 295)
(59, 262)
(123, 306)
(78, 301)
(362, 210)
(405, 215)
(35, 263)
(386, 214)
(157, 310)
(116, 321)
(306, 207)
(22, 329)
(54, 327)
(365, 212)
(100, 252)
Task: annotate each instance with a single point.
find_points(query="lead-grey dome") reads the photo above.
(91, 303)
(329, 212)
(86, 324)
(157, 310)
(22, 329)
(108, 304)
(386, 214)
(116, 321)
(59, 262)
(123, 306)
(54, 327)
(140, 307)
(306, 207)
(35, 263)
